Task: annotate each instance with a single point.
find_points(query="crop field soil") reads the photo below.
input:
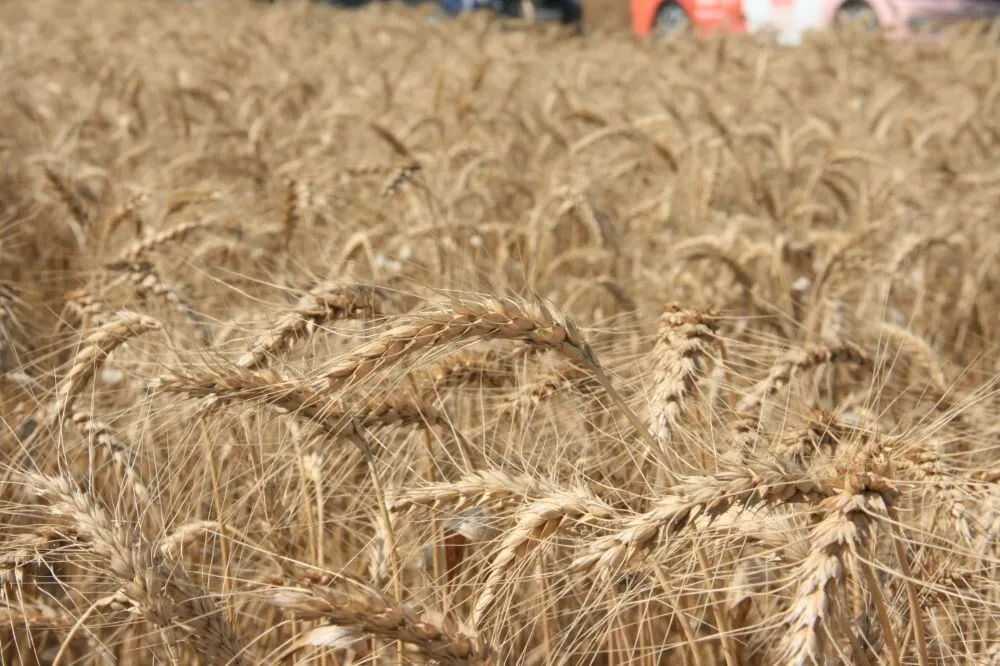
(356, 337)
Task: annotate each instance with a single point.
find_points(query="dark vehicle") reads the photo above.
(568, 12)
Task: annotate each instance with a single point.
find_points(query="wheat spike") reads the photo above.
(757, 483)
(326, 302)
(374, 614)
(500, 318)
(535, 523)
(686, 339)
(169, 601)
(95, 349)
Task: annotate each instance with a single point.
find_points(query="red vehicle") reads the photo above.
(660, 18)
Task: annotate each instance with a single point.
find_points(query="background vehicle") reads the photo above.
(563, 11)
(661, 18)
(791, 18)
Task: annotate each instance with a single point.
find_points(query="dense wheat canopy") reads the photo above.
(358, 337)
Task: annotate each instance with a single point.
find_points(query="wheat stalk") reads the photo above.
(169, 601)
(95, 349)
(372, 613)
(326, 302)
(710, 496)
(536, 522)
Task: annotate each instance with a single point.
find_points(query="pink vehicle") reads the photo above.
(901, 18)
(791, 18)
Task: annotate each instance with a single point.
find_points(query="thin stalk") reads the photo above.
(916, 619)
(390, 536)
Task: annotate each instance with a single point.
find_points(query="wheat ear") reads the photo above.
(756, 483)
(535, 523)
(782, 372)
(489, 319)
(499, 318)
(148, 282)
(473, 369)
(96, 348)
(326, 302)
(474, 490)
(375, 614)
(333, 415)
(834, 540)
(179, 232)
(69, 196)
(686, 339)
(99, 433)
(163, 595)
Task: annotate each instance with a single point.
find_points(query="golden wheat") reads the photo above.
(643, 353)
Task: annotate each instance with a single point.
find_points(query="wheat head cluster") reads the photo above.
(351, 337)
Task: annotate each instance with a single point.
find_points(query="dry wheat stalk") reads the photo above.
(162, 595)
(756, 483)
(135, 252)
(326, 302)
(96, 348)
(536, 522)
(374, 614)
(686, 338)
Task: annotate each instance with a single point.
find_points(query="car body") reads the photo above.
(791, 18)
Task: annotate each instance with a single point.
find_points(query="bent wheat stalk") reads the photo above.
(162, 595)
(502, 318)
(757, 483)
(374, 614)
(535, 523)
(96, 348)
(326, 302)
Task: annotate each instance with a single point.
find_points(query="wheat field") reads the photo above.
(358, 337)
